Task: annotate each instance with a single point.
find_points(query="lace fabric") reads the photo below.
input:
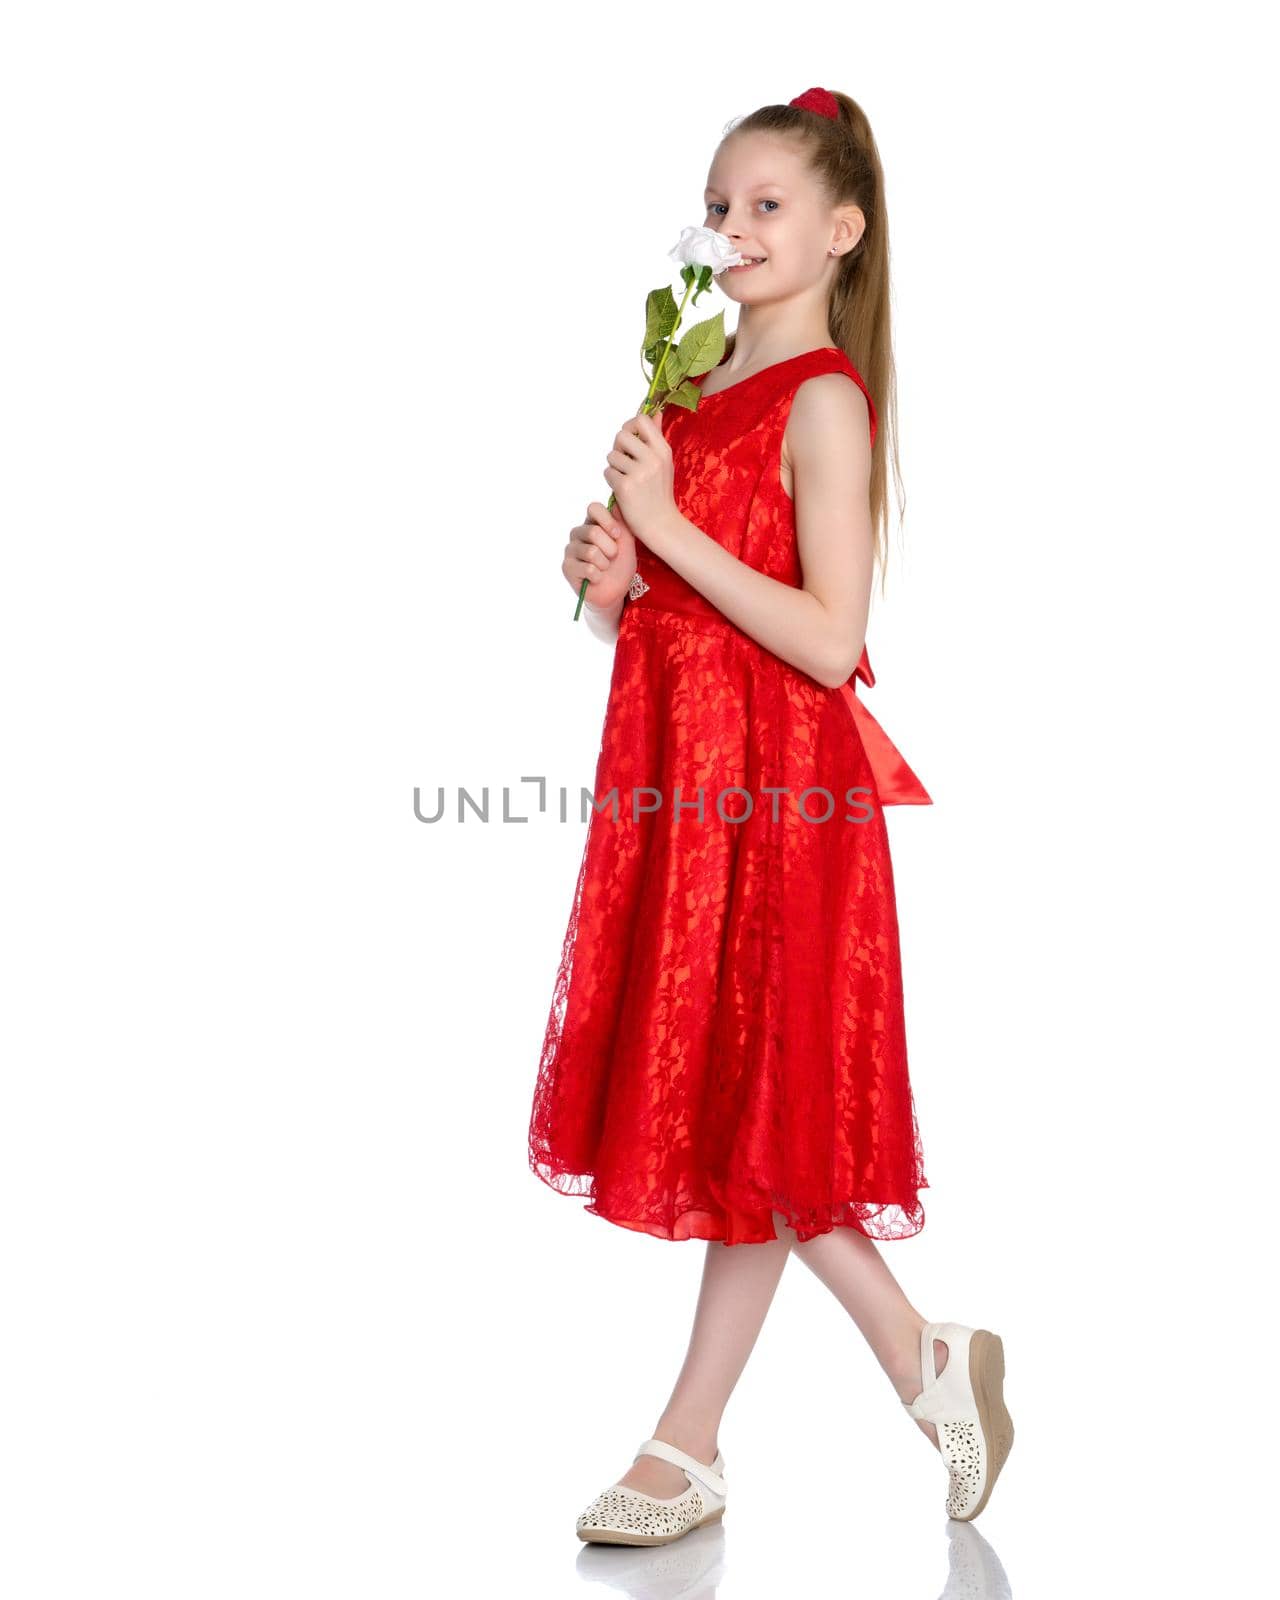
(726, 1034)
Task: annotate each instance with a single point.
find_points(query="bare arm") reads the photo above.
(821, 627)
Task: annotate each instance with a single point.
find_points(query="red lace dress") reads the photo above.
(726, 1033)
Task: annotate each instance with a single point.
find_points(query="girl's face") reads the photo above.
(766, 202)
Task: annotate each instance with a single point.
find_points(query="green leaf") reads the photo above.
(660, 315)
(701, 348)
(705, 275)
(686, 395)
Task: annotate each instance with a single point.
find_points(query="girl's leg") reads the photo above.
(854, 1270)
(738, 1283)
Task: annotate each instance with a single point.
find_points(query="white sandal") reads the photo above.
(622, 1515)
(966, 1405)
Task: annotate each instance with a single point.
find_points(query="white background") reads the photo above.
(318, 322)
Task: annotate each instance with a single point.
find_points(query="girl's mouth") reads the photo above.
(747, 263)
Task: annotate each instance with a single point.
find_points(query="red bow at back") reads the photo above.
(896, 784)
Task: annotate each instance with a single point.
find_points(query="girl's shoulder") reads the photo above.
(841, 365)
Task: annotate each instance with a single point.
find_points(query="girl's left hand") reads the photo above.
(641, 473)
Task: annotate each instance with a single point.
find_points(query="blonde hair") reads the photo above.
(843, 157)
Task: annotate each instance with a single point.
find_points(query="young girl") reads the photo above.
(725, 1058)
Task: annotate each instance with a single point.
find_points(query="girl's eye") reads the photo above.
(716, 206)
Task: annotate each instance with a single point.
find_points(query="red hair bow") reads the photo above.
(820, 100)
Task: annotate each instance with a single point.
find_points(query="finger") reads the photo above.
(629, 442)
(590, 554)
(605, 540)
(600, 538)
(585, 531)
(650, 431)
(611, 525)
(617, 524)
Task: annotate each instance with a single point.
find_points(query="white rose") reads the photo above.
(704, 247)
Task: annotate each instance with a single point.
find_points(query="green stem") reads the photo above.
(644, 406)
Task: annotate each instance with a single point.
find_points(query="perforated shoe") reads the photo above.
(622, 1515)
(966, 1405)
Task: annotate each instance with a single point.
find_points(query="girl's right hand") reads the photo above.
(602, 550)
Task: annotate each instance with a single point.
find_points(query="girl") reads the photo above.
(725, 1058)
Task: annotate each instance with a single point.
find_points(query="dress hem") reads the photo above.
(880, 1221)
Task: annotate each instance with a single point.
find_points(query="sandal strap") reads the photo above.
(945, 1397)
(681, 1458)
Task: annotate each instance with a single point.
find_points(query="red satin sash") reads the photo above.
(896, 784)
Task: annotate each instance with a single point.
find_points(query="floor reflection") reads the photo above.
(973, 1568)
(694, 1567)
